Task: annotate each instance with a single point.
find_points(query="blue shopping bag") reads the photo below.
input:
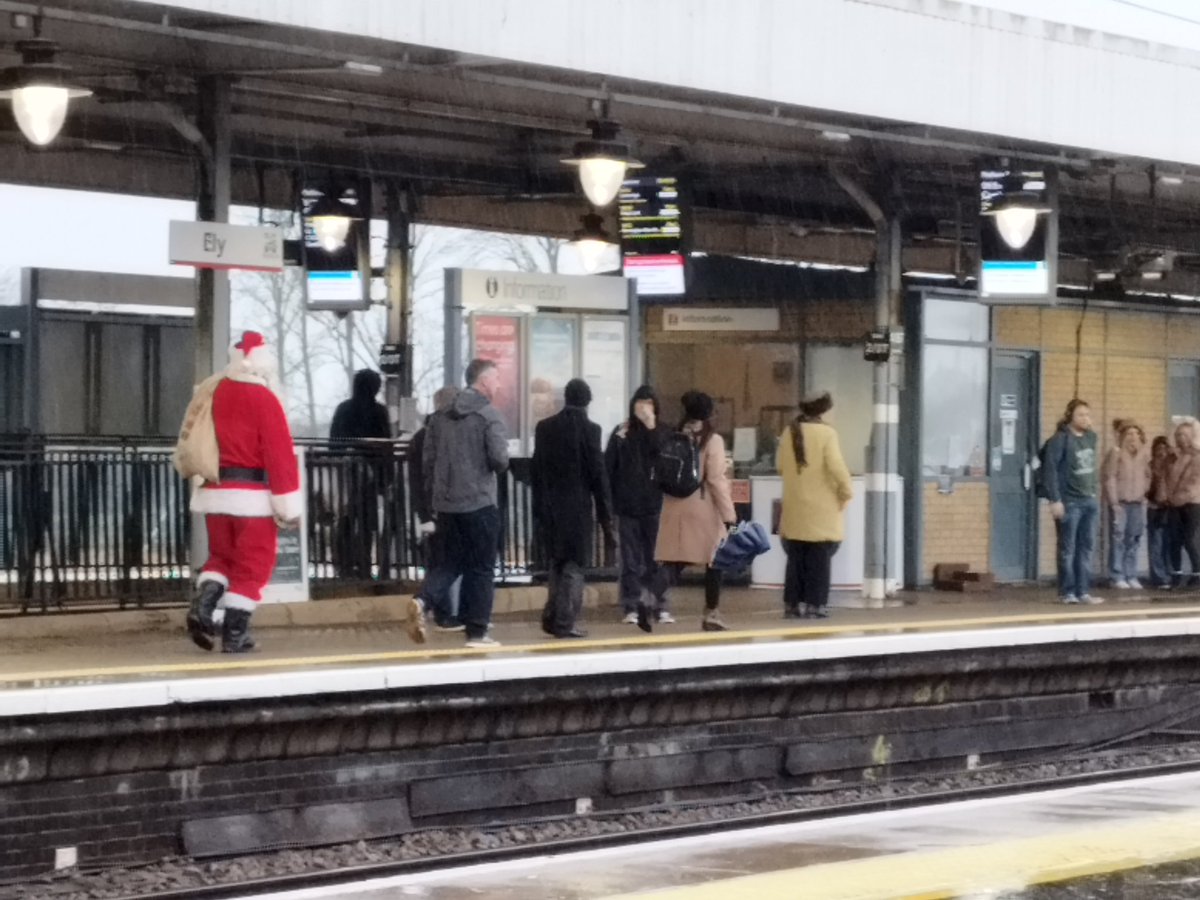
(745, 541)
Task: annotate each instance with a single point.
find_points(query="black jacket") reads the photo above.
(629, 459)
(360, 416)
(568, 477)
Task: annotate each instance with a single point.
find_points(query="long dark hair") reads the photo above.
(699, 407)
(811, 410)
(1070, 413)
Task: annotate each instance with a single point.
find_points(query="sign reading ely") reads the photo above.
(216, 245)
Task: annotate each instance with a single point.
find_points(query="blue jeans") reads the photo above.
(1076, 541)
(1158, 532)
(1127, 523)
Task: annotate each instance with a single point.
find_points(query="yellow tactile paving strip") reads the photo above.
(224, 665)
(985, 870)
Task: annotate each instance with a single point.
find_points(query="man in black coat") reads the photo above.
(568, 477)
(361, 418)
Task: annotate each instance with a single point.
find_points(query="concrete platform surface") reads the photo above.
(87, 649)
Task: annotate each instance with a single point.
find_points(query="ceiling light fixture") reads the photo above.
(39, 90)
(603, 161)
(592, 242)
(1017, 210)
(331, 217)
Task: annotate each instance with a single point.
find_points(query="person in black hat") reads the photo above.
(692, 527)
(568, 477)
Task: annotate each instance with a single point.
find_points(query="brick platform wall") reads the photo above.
(957, 526)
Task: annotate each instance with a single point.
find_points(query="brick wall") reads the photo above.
(1122, 372)
(956, 526)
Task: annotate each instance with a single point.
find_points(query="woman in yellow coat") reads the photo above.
(816, 489)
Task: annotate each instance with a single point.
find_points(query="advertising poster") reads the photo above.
(551, 365)
(604, 366)
(498, 339)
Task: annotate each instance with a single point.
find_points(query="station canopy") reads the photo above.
(480, 140)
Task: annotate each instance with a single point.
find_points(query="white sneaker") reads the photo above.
(485, 642)
(415, 624)
(665, 618)
(1090, 600)
(1135, 584)
(630, 619)
(1121, 584)
(1068, 599)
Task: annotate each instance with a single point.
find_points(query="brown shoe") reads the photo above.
(415, 622)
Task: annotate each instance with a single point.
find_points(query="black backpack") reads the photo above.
(677, 466)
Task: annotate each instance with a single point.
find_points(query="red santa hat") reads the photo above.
(252, 360)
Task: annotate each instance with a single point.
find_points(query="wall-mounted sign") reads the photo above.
(218, 245)
(877, 346)
(652, 235)
(732, 318)
(480, 289)
(391, 359)
(1018, 233)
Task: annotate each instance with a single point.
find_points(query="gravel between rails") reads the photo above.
(176, 876)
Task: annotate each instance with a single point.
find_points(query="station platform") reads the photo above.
(115, 660)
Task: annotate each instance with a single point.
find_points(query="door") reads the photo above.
(1013, 439)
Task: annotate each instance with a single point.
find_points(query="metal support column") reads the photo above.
(398, 268)
(212, 205)
(211, 322)
(881, 481)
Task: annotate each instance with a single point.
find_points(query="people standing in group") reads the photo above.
(1126, 479)
(437, 593)
(1070, 482)
(465, 449)
(816, 490)
(637, 502)
(1163, 545)
(692, 527)
(1183, 491)
(568, 479)
(361, 418)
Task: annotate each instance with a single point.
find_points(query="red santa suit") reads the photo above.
(259, 485)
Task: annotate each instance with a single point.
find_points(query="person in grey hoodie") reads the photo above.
(466, 447)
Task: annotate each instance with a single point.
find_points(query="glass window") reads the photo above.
(956, 320)
(954, 409)
(847, 376)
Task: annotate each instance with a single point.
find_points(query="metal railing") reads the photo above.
(86, 520)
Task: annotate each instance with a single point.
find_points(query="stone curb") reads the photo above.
(382, 610)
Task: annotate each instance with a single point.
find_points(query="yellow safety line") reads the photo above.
(985, 869)
(724, 637)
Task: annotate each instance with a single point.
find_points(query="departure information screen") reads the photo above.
(652, 235)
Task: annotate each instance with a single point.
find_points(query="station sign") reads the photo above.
(219, 245)
(712, 318)
(486, 289)
(652, 235)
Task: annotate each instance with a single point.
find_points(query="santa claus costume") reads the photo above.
(258, 492)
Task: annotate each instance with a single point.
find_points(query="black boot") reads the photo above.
(235, 638)
(200, 625)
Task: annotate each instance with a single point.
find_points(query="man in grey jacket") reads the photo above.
(466, 447)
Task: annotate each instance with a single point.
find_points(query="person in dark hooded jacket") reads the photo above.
(637, 502)
(361, 417)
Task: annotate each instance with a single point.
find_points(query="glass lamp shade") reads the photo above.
(331, 231)
(601, 179)
(1016, 225)
(40, 111)
(592, 252)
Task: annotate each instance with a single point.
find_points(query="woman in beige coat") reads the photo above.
(692, 528)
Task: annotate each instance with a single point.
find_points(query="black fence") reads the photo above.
(87, 521)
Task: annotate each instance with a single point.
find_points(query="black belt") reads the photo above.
(252, 476)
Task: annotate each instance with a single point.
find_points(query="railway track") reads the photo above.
(391, 868)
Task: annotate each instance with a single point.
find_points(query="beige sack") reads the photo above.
(197, 453)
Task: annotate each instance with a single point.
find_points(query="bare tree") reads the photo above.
(529, 253)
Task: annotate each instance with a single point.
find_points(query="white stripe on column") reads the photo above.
(887, 412)
(879, 483)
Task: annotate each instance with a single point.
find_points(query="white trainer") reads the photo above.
(485, 642)
(1090, 600)
(665, 618)
(1135, 584)
(630, 619)
(1121, 584)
